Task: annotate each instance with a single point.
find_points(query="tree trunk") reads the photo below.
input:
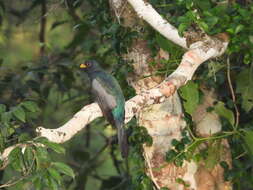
(165, 121)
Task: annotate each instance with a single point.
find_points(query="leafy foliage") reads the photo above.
(33, 161)
(190, 94)
(223, 112)
(138, 137)
(244, 87)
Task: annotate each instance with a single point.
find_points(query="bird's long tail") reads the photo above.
(122, 139)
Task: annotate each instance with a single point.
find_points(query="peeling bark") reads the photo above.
(163, 121)
(207, 124)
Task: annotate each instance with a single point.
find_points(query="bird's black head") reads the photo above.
(90, 66)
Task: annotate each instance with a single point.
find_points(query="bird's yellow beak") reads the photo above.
(83, 66)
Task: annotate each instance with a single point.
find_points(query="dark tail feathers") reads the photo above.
(122, 140)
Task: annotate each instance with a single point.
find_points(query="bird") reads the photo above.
(108, 94)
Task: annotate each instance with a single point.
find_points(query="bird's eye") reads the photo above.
(88, 64)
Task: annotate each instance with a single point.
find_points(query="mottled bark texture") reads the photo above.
(164, 121)
(207, 124)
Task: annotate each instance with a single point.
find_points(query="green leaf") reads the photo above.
(189, 4)
(181, 28)
(192, 148)
(180, 147)
(14, 154)
(213, 68)
(6, 117)
(15, 159)
(204, 5)
(2, 108)
(146, 183)
(204, 26)
(230, 30)
(30, 106)
(175, 142)
(186, 140)
(37, 183)
(103, 49)
(42, 158)
(190, 94)
(239, 28)
(55, 174)
(52, 183)
(197, 157)
(63, 168)
(222, 111)
(213, 155)
(244, 86)
(163, 42)
(23, 137)
(57, 23)
(54, 146)
(164, 188)
(183, 19)
(248, 138)
(244, 12)
(181, 181)
(212, 20)
(19, 113)
(29, 156)
(20, 184)
(170, 155)
(247, 58)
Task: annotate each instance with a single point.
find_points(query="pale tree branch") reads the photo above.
(199, 52)
(90, 112)
(151, 16)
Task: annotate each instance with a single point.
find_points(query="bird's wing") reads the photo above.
(105, 100)
(106, 92)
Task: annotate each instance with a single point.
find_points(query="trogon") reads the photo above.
(108, 94)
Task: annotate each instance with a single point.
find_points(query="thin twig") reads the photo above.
(43, 22)
(11, 182)
(87, 134)
(52, 9)
(119, 184)
(240, 155)
(148, 162)
(237, 113)
(115, 161)
(15, 181)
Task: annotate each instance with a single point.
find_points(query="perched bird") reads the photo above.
(109, 96)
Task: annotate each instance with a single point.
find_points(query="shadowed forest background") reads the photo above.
(42, 45)
(43, 42)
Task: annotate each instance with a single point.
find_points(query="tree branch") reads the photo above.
(201, 51)
(150, 15)
(43, 22)
(90, 112)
